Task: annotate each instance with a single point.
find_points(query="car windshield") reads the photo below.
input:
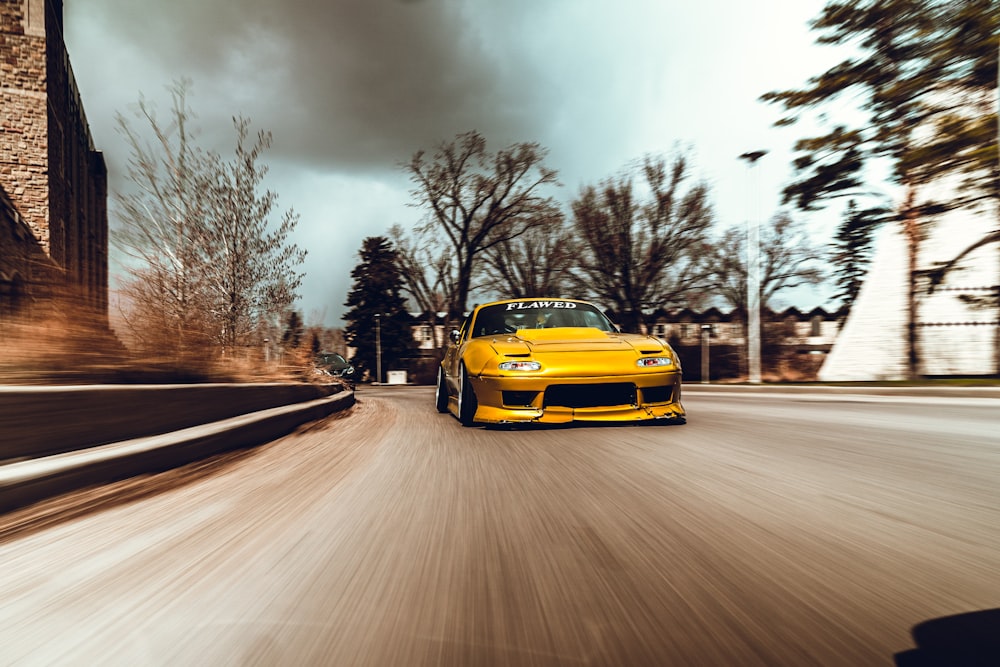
(509, 317)
(333, 361)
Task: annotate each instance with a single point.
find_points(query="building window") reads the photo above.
(11, 297)
(426, 333)
(816, 326)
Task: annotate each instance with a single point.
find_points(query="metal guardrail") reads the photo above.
(36, 476)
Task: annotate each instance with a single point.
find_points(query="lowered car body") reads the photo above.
(555, 361)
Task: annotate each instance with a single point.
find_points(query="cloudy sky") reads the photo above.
(352, 88)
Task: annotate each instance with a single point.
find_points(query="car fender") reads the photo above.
(478, 354)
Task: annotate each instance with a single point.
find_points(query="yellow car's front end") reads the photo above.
(578, 375)
(581, 369)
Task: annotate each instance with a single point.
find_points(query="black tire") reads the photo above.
(467, 402)
(441, 394)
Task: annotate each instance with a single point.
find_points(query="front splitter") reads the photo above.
(562, 415)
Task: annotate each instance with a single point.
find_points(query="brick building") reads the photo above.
(53, 183)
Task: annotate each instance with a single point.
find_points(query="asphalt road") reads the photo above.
(770, 530)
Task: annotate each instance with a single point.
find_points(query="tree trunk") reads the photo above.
(912, 233)
(996, 296)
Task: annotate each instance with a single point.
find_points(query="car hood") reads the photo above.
(575, 339)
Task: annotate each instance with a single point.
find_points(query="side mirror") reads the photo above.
(454, 336)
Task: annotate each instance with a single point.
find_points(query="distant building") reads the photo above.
(812, 332)
(796, 342)
(53, 182)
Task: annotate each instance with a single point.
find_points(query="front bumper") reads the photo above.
(547, 400)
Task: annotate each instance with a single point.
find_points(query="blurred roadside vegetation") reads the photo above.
(67, 346)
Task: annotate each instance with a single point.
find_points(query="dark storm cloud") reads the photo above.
(359, 82)
(351, 88)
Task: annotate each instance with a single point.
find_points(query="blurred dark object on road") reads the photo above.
(963, 640)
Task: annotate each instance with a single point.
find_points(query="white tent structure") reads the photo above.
(956, 330)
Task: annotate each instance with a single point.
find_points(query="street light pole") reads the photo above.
(706, 332)
(753, 277)
(378, 348)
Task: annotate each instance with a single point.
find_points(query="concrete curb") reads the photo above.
(30, 481)
(845, 390)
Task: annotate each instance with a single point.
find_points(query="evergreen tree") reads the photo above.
(378, 310)
(315, 345)
(294, 330)
(851, 251)
(925, 74)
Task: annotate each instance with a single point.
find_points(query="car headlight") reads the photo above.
(645, 362)
(520, 366)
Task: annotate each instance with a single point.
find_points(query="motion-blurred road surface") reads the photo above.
(770, 530)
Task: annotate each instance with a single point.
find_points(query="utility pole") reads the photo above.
(378, 348)
(753, 275)
(706, 333)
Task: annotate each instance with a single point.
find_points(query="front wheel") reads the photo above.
(467, 403)
(441, 394)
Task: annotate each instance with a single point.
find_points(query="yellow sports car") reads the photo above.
(554, 361)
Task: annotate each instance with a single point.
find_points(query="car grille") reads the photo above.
(590, 395)
(519, 399)
(657, 394)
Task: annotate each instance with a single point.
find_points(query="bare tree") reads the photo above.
(788, 260)
(478, 200)
(162, 230)
(639, 255)
(537, 263)
(253, 268)
(205, 266)
(425, 270)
